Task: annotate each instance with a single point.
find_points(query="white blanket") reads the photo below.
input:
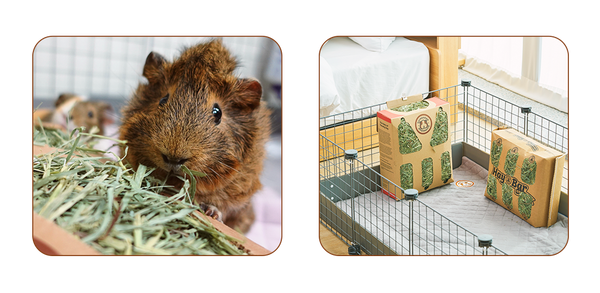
(467, 207)
(364, 78)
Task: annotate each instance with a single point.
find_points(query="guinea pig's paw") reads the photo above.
(212, 211)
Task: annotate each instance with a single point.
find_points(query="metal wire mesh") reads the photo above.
(110, 68)
(487, 112)
(352, 204)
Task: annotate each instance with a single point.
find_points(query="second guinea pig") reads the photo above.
(90, 114)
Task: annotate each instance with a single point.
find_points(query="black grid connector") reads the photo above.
(465, 82)
(354, 249)
(525, 110)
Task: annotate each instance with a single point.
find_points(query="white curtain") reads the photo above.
(554, 66)
(535, 67)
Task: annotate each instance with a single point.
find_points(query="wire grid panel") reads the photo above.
(352, 130)
(410, 227)
(343, 179)
(485, 112)
(436, 234)
(111, 67)
(382, 225)
(357, 129)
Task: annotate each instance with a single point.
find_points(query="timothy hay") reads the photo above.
(115, 209)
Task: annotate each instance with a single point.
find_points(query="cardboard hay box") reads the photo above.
(414, 144)
(525, 177)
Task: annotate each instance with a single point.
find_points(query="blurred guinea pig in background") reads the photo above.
(74, 111)
(90, 114)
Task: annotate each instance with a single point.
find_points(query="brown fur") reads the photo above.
(183, 129)
(91, 113)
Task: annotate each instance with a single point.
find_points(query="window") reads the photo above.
(535, 67)
(554, 66)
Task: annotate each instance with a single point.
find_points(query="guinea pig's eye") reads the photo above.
(216, 111)
(90, 114)
(70, 117)
(163, 100)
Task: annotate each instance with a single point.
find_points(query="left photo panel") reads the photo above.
(156, 145)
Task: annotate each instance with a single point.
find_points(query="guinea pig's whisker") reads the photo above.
(217, 175)
(211, 179)
(232, 168)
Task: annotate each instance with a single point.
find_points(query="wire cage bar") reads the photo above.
(353, 206)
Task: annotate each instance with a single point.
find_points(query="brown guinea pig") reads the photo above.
(59, 116)
(195, 112)
(89, 114)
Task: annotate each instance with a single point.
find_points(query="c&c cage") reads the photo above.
(378, 225)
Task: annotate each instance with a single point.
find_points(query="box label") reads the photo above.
(513, 182)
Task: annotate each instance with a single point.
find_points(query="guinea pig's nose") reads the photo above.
(174, 160)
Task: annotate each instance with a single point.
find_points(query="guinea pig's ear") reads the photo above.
(106, 113)
(249, 95)
(153, 69)
(63, 98)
